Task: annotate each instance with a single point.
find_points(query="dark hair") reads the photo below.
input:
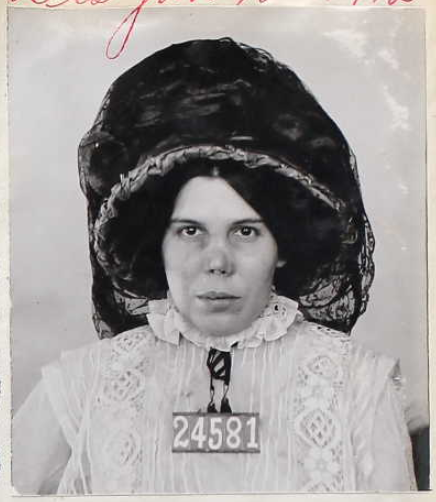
(307, 230)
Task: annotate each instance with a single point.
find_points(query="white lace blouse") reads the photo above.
(100, 421)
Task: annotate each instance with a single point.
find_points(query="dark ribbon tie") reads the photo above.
(220, 365)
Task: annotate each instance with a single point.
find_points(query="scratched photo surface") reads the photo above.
(367, 71)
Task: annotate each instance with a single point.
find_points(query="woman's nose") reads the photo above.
(219, 260)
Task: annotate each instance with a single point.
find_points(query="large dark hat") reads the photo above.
(219, 99)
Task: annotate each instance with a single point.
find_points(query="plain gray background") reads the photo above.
(365, 66)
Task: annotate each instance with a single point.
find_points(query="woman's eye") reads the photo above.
(247, 231)
(189, 231)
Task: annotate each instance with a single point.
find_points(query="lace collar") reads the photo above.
(273, 323)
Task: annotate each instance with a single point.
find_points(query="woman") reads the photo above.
(231, 257)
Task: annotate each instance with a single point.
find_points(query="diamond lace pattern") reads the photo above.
(318, 428)
(121, 399)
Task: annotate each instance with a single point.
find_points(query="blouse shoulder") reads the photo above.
(128, 350)
(369, 387)
(316, 339)
(69, 381)
(363, 372)
(365, 362)
(378, 426)
(131, 341)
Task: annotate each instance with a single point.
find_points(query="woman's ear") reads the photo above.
(280, 263)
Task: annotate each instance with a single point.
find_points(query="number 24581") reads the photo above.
(213, 432)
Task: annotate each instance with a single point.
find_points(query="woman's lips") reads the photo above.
(218, 301)
(217, 295)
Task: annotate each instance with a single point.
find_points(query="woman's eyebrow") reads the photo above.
(246, 221)
(188, 221)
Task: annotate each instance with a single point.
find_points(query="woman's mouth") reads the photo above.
(218, 300)
(217, 295)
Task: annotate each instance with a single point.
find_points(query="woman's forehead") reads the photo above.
(208, 198)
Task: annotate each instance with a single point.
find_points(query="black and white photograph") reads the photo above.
(218, 234)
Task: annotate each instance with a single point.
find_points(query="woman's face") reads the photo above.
(219, 257)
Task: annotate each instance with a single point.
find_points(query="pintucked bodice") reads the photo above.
(317, 392)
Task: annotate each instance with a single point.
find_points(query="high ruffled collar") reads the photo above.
(168, 324)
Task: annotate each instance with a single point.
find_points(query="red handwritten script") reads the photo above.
(387, 2)
(120, 37)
